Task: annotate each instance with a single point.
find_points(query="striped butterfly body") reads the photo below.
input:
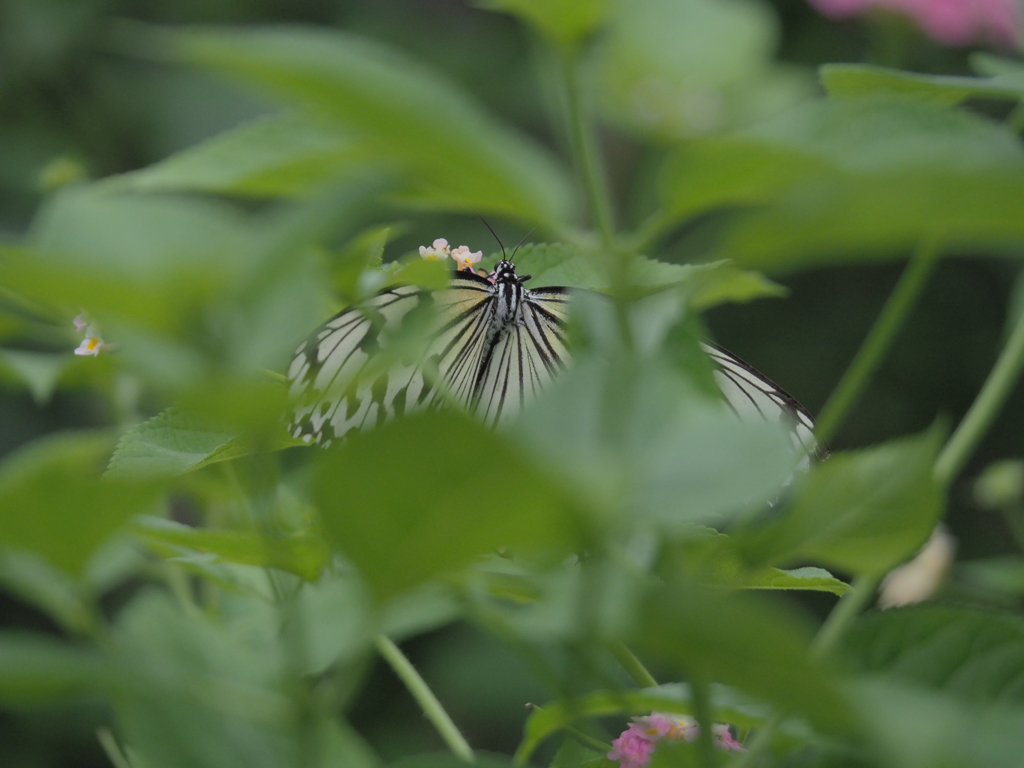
(493, 344)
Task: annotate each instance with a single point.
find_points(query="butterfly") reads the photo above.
(492, 345)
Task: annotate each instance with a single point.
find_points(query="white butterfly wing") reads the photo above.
(752, 395)
(351, 373)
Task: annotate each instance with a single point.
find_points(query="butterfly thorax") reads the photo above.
(509, 294)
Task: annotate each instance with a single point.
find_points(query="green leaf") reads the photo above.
(745, 641)
(204, 692)
(572, 754)
(175, 442)
(404, 513)
(975, 655)
(53, 591)
(709, 285)
(337, 617)
(1002, 575)
(853, 180)
(913, 728)
(681, 457)
(304, 555)
(171, 443)
(280, 155)
(459, 157)
(53, 501)
(38, 669)
(806, 578)
(38, 371)
(944, 90)
(861, 511)
(448, 760)
(676, 69)
(563, 22)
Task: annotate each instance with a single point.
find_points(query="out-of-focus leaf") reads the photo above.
(989, 65)
(563, 22)
(53, 591)
(682, 457)
(283, 154)
(710, 558)
(305, 555)
(403, 507)
(862, 511)
(867, 80)
(38, 669)
(854, 179)
(914, 728)
(460, 158)
(38, 371)
(548, 720)
(1004, 575)
(748, 642)
(679, 68)
(572, 754)
(53, 501)
(199, 692)
(175, 442)
(973, 654)
(429, 607)
(709, 285)
(448, 760)
(338, 626)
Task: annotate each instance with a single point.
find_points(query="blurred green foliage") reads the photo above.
(182, 584)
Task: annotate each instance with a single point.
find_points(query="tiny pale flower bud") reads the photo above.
(439, 249)
(919, 579)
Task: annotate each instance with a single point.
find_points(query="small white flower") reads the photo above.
(438, 250)
(917, 580)
(93, 343)
(464, 258)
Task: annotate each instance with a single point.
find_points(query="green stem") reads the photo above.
(845, 611)
(425, 698)
(985, 408)
(878, 340)
(633, 666)
(1016, 118)
(112, 749)
(705, 719)
(584, 149)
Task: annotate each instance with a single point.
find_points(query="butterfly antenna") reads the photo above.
(520, 243)
(495, 237)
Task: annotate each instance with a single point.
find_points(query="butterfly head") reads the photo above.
(505, 272)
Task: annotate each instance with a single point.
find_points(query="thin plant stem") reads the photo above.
(705, 719)
(878, 340)
(986, 406)
(584, 148)
(425, 697)
(845, 611)
(633, 666)
(112, 749)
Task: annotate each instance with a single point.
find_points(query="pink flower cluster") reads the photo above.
(951, 22)
(634, 747)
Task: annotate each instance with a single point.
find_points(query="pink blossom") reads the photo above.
(951, 22)
(634, 747)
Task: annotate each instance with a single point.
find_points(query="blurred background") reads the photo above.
(74, 107)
